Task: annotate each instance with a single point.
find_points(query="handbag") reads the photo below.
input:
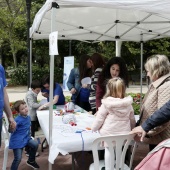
(157, 159)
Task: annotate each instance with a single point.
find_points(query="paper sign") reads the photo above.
(68, 65)
(53, 43)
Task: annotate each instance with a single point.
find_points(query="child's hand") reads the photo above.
(42, 107)
(45, 94)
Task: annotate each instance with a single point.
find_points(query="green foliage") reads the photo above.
(67, 98)
(12, 26)
(13, 41)
(18, 76)
(135, 104)
(136, 101)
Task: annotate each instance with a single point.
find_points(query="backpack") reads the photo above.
(157, 159)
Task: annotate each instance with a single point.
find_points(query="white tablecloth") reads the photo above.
(64, 138)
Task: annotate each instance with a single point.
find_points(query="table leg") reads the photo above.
(73, 162)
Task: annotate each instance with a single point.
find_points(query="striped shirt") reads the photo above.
(94, 78)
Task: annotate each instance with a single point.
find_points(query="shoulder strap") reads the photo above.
(167, 79)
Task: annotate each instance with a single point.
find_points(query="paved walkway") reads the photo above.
(62, 162)
(18, 93)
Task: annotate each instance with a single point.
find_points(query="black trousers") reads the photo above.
(33, 128)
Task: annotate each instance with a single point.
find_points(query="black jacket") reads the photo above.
(158, 118)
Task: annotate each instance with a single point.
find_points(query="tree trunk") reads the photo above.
(15, 59)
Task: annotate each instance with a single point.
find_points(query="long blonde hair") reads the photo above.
(115, 87)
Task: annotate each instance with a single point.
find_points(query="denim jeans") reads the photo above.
(33, 146)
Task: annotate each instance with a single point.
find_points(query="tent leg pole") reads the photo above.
(30, 61)
(53, 28)
(118, 48)
(141, 72)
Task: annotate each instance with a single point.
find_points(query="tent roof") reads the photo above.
(101, 20)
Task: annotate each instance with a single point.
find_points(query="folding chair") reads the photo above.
(5, 135)
(117, 146)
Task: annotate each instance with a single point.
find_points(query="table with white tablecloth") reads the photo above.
(65, 138)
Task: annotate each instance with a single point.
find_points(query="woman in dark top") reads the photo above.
(115, 67)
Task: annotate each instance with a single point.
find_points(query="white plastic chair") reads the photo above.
(117, 151)
(5, 135)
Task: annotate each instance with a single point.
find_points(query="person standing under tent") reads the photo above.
(58, 96)
(98, 64)
(158, 70)
(33, 105)
(81, 92)
(115, 67)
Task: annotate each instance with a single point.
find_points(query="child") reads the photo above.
(58, 96)
(116, 115)
(31, 101)
(21, 137)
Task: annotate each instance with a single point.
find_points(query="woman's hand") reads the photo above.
(12, 124)
(139, 132)
(73, 91)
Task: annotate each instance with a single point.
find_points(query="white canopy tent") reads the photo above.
(101, 20)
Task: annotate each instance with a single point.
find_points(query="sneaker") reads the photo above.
(33, 164)
(37, 154)
(45, 144)
(27, 154)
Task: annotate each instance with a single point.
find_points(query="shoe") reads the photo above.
(27, 154)
(33, 164)
(45, 144)
(36, 155)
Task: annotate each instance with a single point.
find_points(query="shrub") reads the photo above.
(14, 113)
(19, 75)
(136, 102)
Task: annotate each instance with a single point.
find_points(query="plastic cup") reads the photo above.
(54, 106)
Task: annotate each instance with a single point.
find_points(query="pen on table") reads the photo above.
(55, 113)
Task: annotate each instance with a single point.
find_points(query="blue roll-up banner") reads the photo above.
(68, 65)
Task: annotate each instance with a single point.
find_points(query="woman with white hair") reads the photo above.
(158, 70)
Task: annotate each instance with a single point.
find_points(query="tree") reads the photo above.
(11, 20)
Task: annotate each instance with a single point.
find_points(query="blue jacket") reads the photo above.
(73, 82)
(3, 83)
(159, 117)
(20, 137)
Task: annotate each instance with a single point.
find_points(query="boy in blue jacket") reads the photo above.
(21, 137)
